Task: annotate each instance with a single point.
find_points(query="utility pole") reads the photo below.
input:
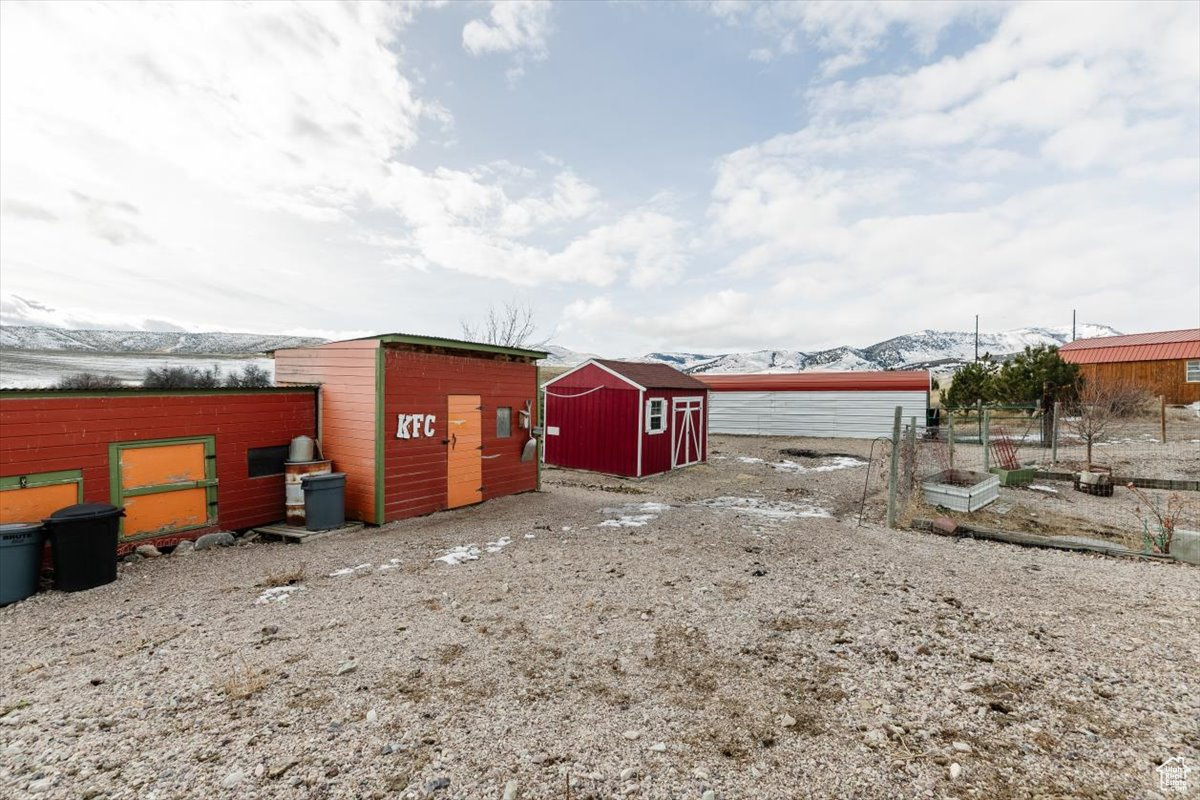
(1072, 324)
(976, 337)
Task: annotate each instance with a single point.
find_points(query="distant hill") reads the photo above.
(32, 356)
(941, 351)
(14, 337)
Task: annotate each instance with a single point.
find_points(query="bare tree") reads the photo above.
(1103, 408)
(510, 326)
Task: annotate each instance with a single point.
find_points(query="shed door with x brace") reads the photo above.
(464, 473)
(165, 486)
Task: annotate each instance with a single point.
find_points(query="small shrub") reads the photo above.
(182, 378)
(252, 377)
(89, 380)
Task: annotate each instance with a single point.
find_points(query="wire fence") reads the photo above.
(1039, 451)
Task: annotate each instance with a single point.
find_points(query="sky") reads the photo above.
(658, 176)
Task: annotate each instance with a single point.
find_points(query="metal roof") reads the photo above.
(895, 381)
(450, 344)
(651, 375)
(1159, 346)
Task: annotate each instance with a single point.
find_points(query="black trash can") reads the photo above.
(83, 541)
(324, 501)
(20, 559)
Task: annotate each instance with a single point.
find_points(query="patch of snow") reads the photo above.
(634, 515)
(1041, 487)
(628, 521)
(835, 463)
(337, 573)
(749, 460)
(531, 536)
(277, 594)
(392, 564)
(460, 554)
(499, 544)
(768, 509)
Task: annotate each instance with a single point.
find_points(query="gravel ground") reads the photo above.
(704, 631)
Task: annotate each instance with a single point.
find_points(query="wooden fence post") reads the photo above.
(1162, 418)
(1054, 433)
(951, 434)
(984, 436)
(894, 469)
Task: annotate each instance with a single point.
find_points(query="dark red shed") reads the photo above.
(625, 418)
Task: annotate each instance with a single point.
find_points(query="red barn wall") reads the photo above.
(656, 448)
(71, 431)
(346, 373)
(417, 381)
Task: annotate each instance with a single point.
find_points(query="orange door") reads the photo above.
(464, 475)
(164, 486)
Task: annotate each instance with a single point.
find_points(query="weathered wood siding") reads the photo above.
(346, 373)
(418, 381)
(1168, 377)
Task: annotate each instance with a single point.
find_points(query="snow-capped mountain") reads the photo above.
(937, 350)
(171, 342)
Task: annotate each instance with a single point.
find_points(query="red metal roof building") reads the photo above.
(625, 418)
(833, 404)
(1166, 363)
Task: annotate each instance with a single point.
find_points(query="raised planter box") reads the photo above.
(1185, 546)
(1015, 477)
(961, 490)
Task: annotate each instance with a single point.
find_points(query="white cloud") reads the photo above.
(520, 27)
(847, 32)
(1033, 173)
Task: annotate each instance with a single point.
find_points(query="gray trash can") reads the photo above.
(20, 560)
(324, 501)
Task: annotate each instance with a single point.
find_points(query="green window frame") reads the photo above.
(209, 483)
(33, 480)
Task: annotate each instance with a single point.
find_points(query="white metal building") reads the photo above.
(854, 405)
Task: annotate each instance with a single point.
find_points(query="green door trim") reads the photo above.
(36, 480)
(209, 484)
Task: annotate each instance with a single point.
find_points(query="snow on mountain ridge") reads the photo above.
(939, 350)
(16, 337)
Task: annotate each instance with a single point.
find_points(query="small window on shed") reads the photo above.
(656, 415)
(263, 461)
(1193, 371)
(503, 422)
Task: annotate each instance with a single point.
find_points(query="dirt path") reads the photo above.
(722, 628)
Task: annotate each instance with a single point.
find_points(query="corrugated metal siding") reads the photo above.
(64, 433)
(852, 415)
(596, 431)
(346, 372)
(1130, 339)
(889, 381)
(420, 383)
